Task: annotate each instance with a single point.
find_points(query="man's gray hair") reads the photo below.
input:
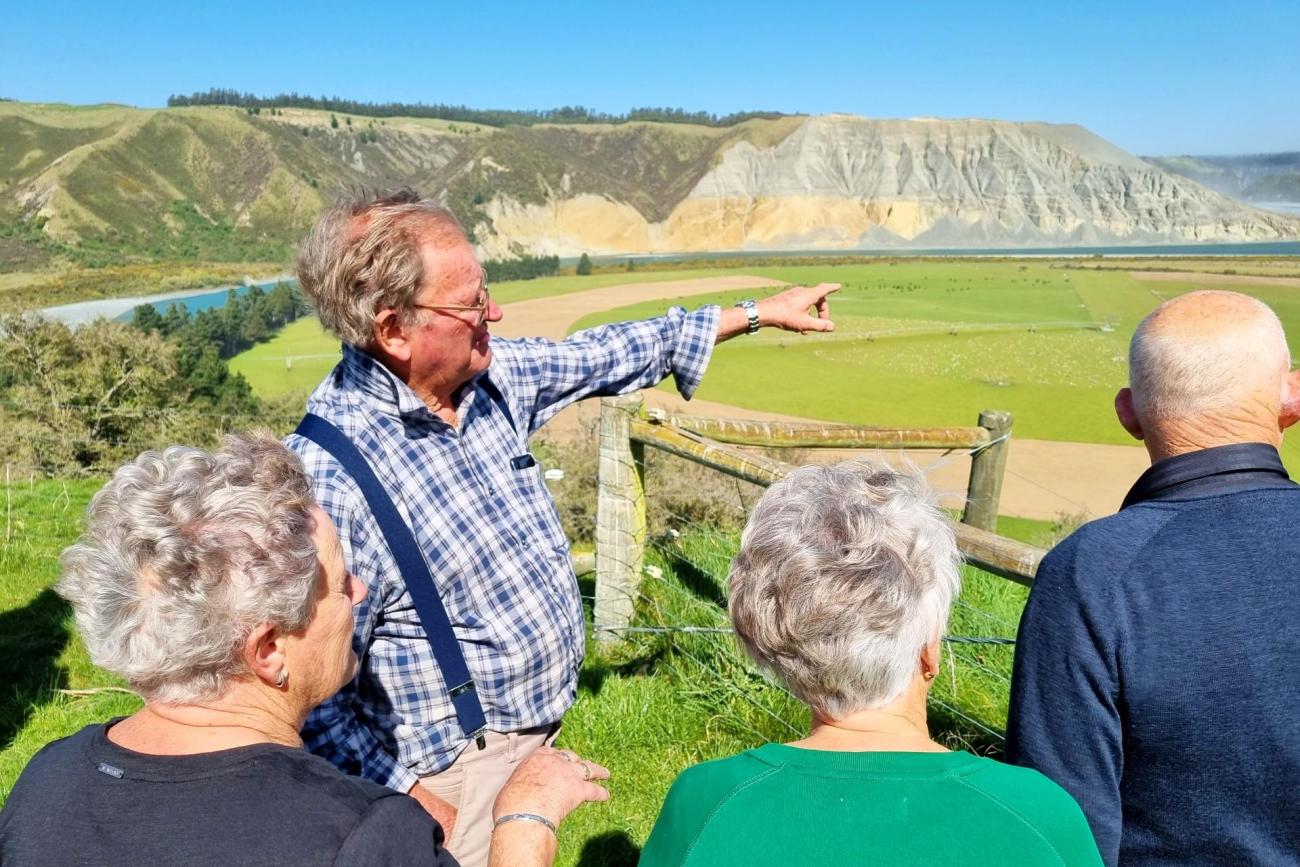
(1236, 350)
(363, 255)
(845, 574)
(185, 552)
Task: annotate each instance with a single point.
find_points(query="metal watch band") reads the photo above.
(750, 306)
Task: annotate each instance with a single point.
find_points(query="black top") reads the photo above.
(1154, 668)
(84, 800)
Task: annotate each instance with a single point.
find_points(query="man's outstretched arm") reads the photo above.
(541, 377)
(788, 310)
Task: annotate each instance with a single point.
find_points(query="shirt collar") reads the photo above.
(366, 374)
(1218, 470)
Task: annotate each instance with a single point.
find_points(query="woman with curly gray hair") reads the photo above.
(216, 587)
(841, 590)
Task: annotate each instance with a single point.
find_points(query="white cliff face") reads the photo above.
(842, 182)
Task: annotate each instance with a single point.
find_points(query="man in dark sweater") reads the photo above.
(1153, 676)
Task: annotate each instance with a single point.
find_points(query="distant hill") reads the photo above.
(221, 183)
(1269, 180)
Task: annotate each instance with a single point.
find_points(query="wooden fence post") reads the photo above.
(987, 467)
(620, 515)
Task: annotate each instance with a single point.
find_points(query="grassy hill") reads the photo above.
(182, 197)
(221, 181)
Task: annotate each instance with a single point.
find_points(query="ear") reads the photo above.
(930, 657)
(390, 335)
(264, 653)
(1289, 413)
(1127, 415)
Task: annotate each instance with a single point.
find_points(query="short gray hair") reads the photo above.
(185, 552)
(1215, 365)
(845, 574)
(363, 255)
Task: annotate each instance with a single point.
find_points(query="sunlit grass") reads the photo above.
(648, 707)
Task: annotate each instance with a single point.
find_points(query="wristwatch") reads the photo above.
(750, 306)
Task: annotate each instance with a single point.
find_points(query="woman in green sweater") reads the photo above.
(841, 589)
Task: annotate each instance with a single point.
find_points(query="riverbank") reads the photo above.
(118, 308)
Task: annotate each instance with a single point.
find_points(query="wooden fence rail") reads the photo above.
(626, 430)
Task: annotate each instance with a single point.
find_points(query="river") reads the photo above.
(122, 309)
(203, 299)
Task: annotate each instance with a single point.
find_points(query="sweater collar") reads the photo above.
(1204, 473)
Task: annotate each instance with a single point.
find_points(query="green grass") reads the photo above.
(931, 344)
(314, 352)
(917, 343)
(39, 652)
(647, 708)
(295, 360)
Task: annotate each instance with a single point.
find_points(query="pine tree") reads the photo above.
(584, 265)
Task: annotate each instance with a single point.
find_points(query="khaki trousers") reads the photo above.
(472, 783)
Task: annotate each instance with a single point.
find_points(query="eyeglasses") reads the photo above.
(480, 307)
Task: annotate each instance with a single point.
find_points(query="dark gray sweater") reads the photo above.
(84, 800)
(1156, 669)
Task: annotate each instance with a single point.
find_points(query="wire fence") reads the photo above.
(679, 608)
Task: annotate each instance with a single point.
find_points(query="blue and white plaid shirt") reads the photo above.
(489, 532)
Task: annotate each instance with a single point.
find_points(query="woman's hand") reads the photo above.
(551, 783)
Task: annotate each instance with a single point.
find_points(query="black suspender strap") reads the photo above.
(414, 570)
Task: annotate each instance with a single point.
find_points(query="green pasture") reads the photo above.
(297, 358)
(647, 707)
(934, 343)
(917, 343)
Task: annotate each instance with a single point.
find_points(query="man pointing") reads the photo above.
(472, 634)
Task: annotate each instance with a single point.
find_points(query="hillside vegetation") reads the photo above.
(90, 187)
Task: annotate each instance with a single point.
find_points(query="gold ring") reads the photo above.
(586, 772)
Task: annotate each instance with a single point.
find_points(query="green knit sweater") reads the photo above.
(786, 805)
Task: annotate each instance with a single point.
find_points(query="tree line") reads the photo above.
(82, 400)
(523, 268)
(461, 113)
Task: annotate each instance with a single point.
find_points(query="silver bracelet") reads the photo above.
(524, 817)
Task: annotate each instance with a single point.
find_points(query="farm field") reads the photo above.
(647, 708)
(933, 344)
(917, 343)
(311, 352)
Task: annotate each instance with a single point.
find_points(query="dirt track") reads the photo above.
(1044, 479)
(1226, 279)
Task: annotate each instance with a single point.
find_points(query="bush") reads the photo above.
(680, 495)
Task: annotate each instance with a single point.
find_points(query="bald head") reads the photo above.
(1205, 354)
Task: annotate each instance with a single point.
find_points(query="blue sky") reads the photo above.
(1155, 78)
